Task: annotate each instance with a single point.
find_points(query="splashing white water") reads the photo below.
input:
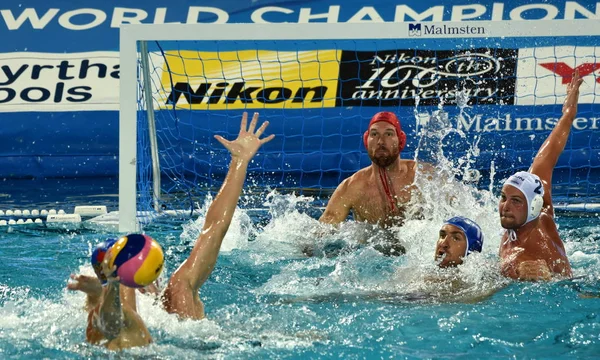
(441, 197)
(240, 230)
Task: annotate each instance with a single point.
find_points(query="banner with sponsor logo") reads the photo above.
(546, 70)
(405, 76)
(72, 26)
(59, 82)
(248, 79)
(90, 81)
(499, 96)
(59, 75)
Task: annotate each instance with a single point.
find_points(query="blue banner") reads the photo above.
(59, 72)
(78, 26)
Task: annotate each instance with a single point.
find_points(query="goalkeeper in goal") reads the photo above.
(379, 193)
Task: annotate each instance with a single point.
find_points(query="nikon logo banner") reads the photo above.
(249, 79)
(403, 77)
(329, 78)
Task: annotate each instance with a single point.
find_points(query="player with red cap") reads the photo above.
(378, 193)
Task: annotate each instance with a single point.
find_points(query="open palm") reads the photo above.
(88, 284)
(248, 140)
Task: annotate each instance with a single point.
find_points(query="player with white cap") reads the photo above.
(531, 248)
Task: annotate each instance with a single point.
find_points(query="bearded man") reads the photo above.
(377, 194)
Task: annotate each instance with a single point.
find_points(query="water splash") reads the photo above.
(453, 188)
(240, 230)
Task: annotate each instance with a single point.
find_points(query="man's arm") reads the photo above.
(199, 265)
(547, 156)
(90, 285)
(427, 170)
(115, 317)
(339, 205)
(110, 318)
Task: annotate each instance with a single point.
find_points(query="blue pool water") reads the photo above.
(266, 299)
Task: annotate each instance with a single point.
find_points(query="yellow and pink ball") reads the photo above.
(139, 259)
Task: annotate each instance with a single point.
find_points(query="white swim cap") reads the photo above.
(533, 190)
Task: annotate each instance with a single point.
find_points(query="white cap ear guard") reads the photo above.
(535, 207)
(533, 190)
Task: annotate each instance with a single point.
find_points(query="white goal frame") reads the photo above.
(131, 34)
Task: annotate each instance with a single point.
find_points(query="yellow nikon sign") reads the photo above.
(249, 79)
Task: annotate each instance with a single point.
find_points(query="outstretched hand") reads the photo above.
(84, 283)
(570, 105)
(248, 140)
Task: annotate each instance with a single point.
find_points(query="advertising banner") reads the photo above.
(248, 79)
(59, 75)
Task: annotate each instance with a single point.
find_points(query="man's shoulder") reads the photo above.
(421, 165)
(356, 181)
(360, 177)
(545, 230)
(547, 224)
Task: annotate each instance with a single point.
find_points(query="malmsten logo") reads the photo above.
(424, 29)
(414, 29)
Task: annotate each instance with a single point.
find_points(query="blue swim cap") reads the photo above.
(472, 232)
(98, 257)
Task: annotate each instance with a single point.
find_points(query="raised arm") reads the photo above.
(198, 266)
(339, 205)
(552, 148)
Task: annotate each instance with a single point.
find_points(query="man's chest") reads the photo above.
(377, 206)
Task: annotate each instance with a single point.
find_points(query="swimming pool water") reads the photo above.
(265, 299)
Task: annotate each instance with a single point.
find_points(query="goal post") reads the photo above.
(321, 83)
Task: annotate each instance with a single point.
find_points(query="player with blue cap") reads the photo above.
(458, 237)
(98, 256)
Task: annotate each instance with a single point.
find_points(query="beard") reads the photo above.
(382, 159)
(510, 223)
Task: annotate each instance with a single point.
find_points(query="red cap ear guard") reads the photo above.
(390, 118)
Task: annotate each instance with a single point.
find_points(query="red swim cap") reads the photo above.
(390, 118)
